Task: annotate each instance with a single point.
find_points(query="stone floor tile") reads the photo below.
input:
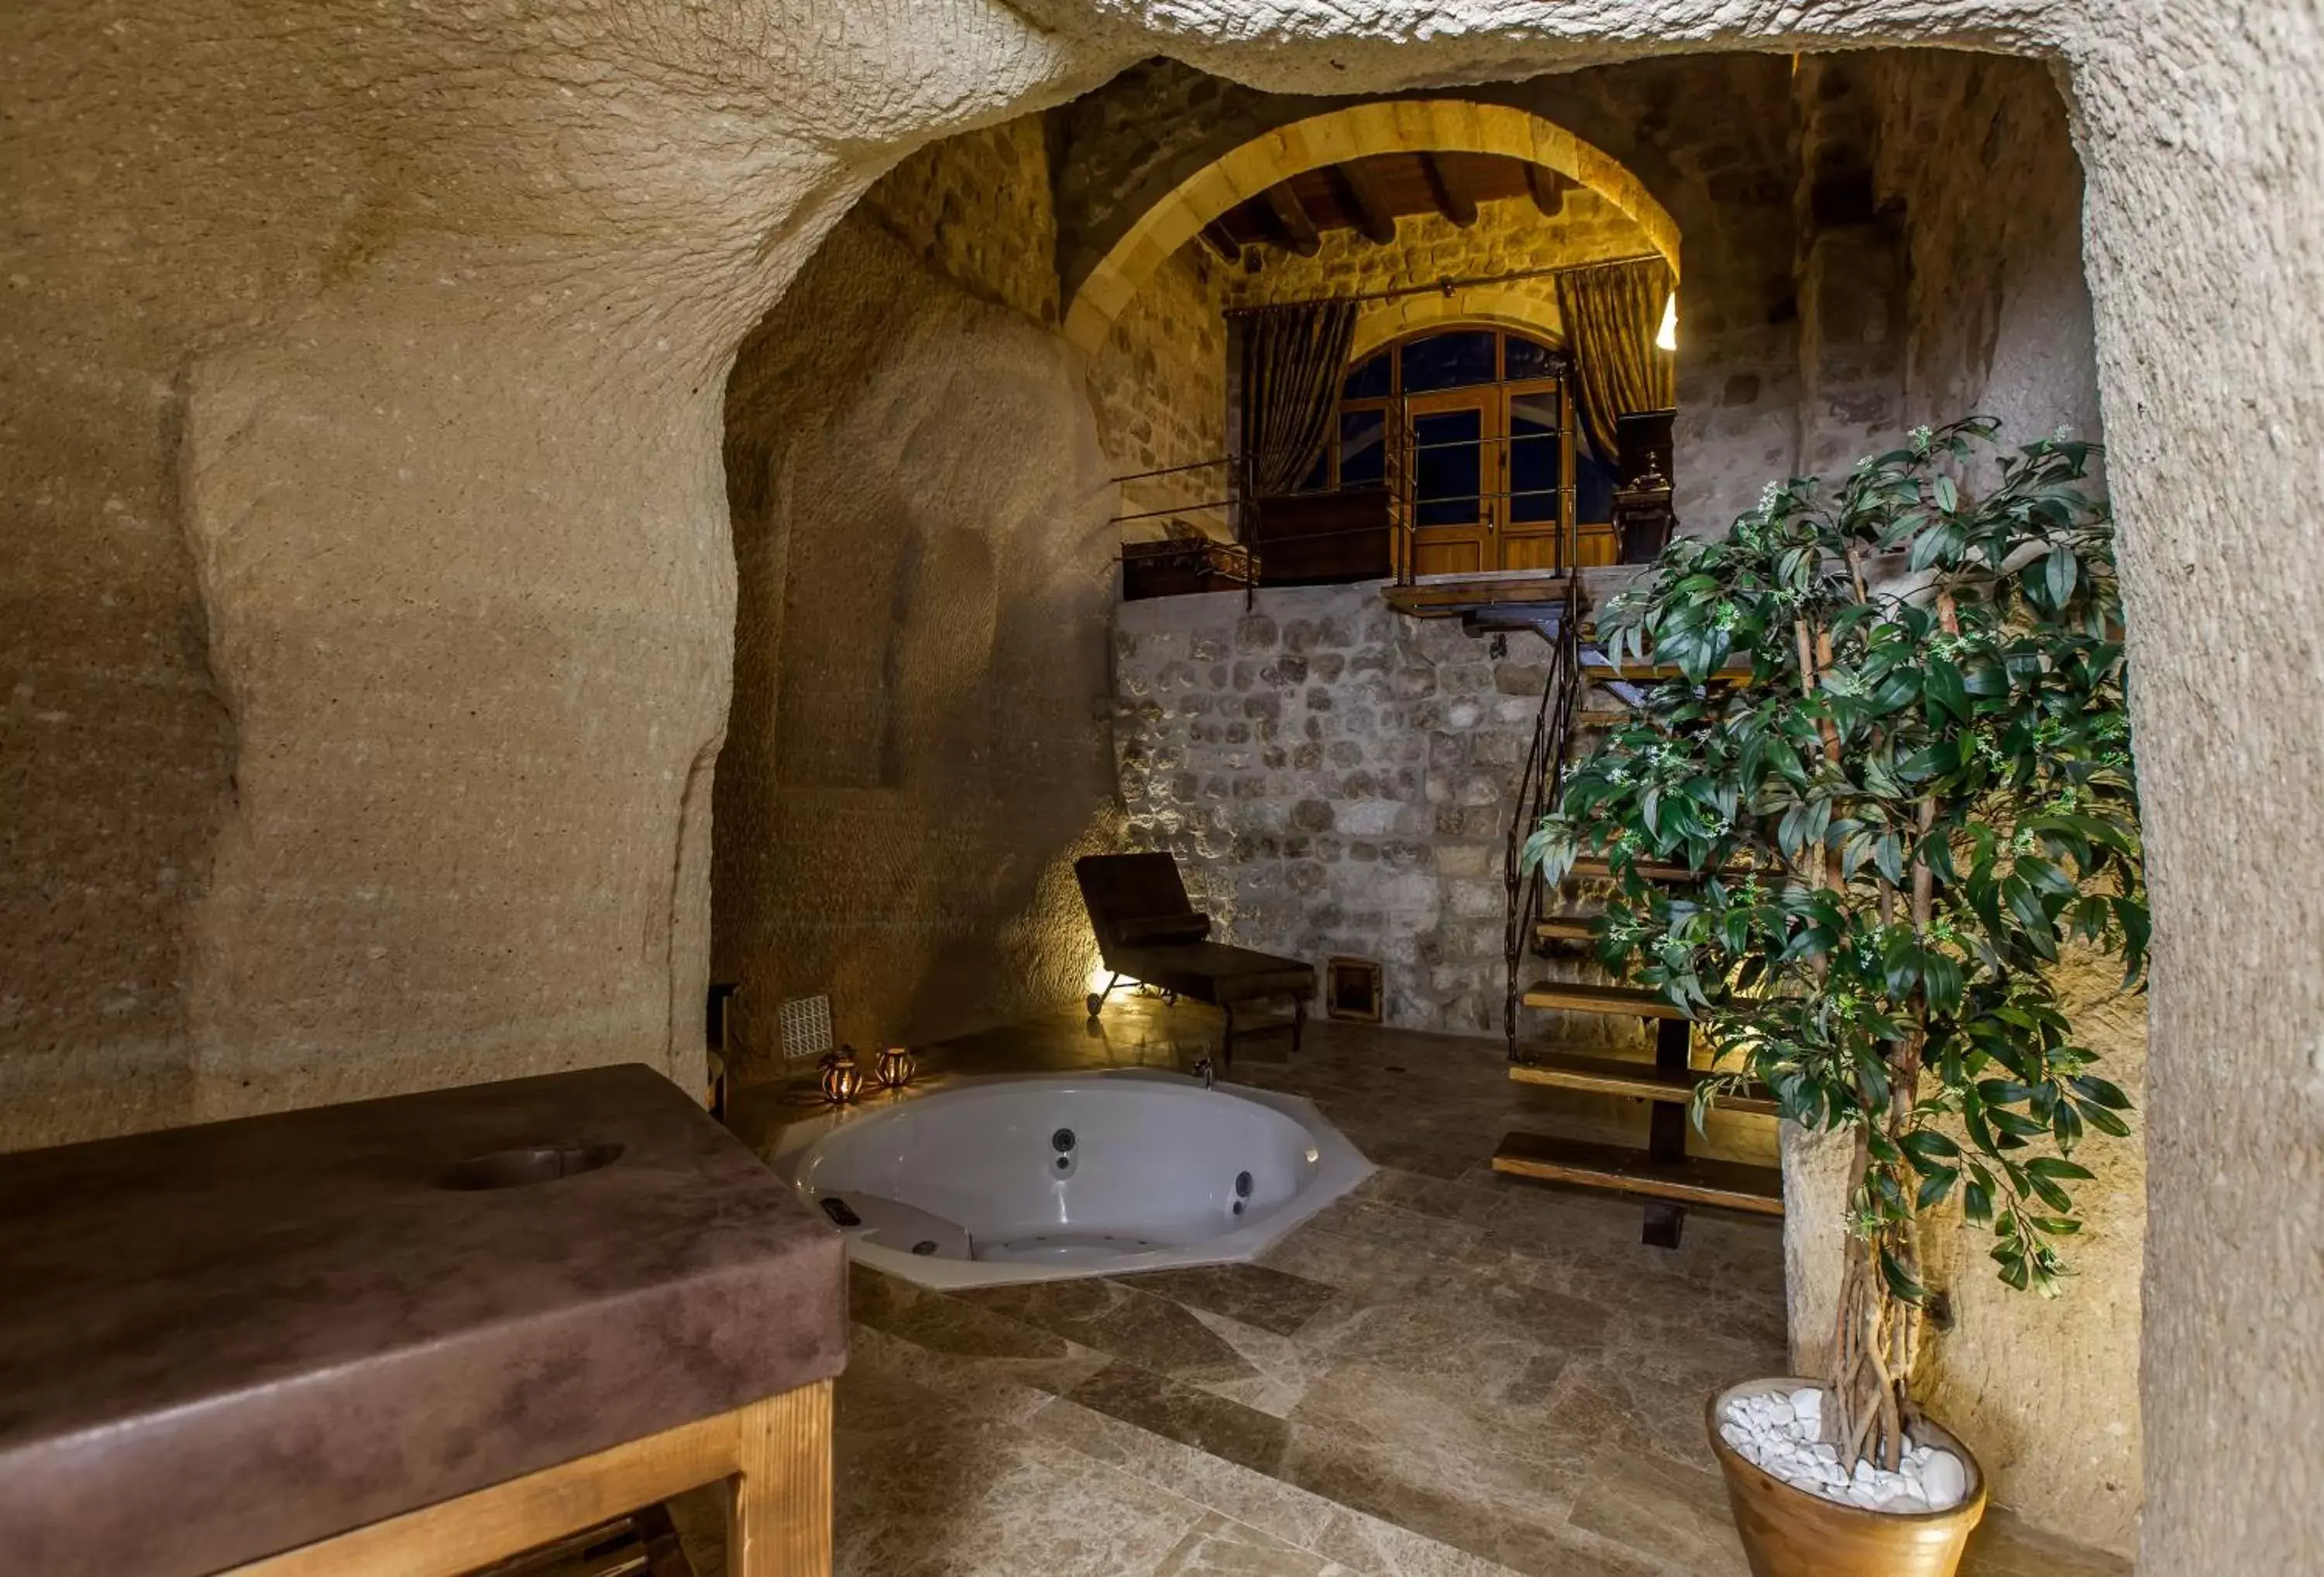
(1663, 1511)
(2005, 1545)
(1116, 1318)
(1254, 1498)
(1509, 1513)
(942, 1331)
(1346, 1253)
(1447, 1374)
(1369, 1544)
(1286, 1365)
(1649, 1399)
(1374, 1221)
(1420, 1195)
(1252, 1295)
(971, 1387)
(931, 1496)
(1177, 1411)
(1221, 1547)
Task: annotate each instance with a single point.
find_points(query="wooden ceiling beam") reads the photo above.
(1458, 206)
(1214, 235)
(1548, 190)
(1295, 230)
(1375, 219)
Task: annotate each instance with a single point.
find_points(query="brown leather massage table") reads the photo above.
(412, 1336)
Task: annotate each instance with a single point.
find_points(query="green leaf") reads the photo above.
(1924, 1142)
(1900, 1282)
(2053, 1167)
(1936, 760)
(2026, 905)
(2012, 723)
(1940, 980)
(1981, 675)
(1945, 691)
(1888, 856)
(2059, 573)
(2066, 1126)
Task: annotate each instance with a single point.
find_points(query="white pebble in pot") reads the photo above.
(1943, 1479)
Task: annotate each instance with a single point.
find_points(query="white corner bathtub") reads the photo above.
(1043, 1177)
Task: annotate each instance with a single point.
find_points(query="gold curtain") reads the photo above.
(1292, 359)
(1612, 313)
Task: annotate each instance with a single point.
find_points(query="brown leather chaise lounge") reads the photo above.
(1149, 932)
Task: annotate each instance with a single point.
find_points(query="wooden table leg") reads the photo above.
(779, 1508)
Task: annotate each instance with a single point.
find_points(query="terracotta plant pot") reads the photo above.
(1790, 1533)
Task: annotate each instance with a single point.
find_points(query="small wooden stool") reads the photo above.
(412, 1336)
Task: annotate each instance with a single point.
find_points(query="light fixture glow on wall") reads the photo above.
(1666, 336)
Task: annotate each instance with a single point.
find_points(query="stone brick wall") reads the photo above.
(1850, 268)
(1159, 389)
(1332, 779)
(976, 208)
(1709, 135)
(1509, 234)
(1123, 147)
(1336, 779)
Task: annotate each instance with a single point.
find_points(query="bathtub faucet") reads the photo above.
(1207, 1074)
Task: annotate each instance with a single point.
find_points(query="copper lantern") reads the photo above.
(894, 1070)
(842, 1081)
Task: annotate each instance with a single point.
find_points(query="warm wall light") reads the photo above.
(1666, 336)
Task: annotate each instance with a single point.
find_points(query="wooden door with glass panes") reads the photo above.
(1536, 507)
(1476, 427)
(1453, 465)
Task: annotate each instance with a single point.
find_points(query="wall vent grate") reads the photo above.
(806, 1027)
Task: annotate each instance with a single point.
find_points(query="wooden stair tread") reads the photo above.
(1448, 598)
(1581, 997)
(1601, 717)
(1563, 929)
(1591, 867)
(1691, 1180)
(1638, 673)
(1605, 1075)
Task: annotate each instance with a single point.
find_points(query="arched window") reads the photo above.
(1498, 472)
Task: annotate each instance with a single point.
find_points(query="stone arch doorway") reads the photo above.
(1400, 125)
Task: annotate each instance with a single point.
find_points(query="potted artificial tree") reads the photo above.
(1919, 795)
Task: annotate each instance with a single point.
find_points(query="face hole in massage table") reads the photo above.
(532, 1163)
